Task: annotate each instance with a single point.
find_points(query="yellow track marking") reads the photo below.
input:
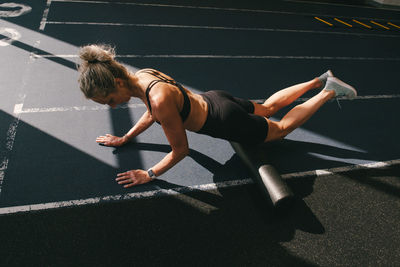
(345, 23)
(380, 25)
(365, 25)
(394, 25)
(330, 24)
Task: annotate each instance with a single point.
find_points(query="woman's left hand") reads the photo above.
(132, 178)
(111, 140)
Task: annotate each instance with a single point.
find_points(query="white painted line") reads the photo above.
(367, 97)
(55, 56)
(359, 97)
(322, 172)
(184, 7)
(217, 28)
(14, 10)
(19, 110)
(246, 10)
(45, 15)
(344, 5)
(195, 203)
(3, 168)
(10, 138)
(175, 192)
(235, 57)
(330, 171)
(182, 190)
(261, 57)
(10, 35)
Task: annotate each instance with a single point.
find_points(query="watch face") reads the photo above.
(151, 173)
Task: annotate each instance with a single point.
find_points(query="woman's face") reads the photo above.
(119, 96)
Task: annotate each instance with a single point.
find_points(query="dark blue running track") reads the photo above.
(343, 164)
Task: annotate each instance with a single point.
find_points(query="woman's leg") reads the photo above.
(285, 97)
(297, 116)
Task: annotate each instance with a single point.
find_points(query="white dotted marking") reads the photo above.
(9, 35)
(45, 15)
(16, 10)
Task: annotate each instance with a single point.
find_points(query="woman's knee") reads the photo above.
(276, 131)
(265, 110)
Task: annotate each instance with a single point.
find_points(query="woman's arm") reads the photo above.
(144, 122)
(176, 135)
(142, 125)
(167, 114)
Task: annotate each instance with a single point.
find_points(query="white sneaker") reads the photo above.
(341, 88)
(324, 77)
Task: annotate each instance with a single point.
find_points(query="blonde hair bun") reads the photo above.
(97, 53)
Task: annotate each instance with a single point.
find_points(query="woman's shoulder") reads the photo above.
(155, 73)
(146, 70)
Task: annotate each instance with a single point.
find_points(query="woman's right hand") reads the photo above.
(111, 140)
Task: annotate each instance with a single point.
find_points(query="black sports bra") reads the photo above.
(184, 113)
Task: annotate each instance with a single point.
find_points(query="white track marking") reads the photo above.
(182, 190)
(45, 15)
(341, 98)
(18, 109)
(246, 10)
(263, 57)
(344, 5)
(195, 203)
(235, 57)
(174, 192)
(23, 9)
(56, 56)
(3, 168)
(10, 35)
(217, 28)
(330, 171)
(10, 139)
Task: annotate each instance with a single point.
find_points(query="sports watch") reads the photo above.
(151, 174)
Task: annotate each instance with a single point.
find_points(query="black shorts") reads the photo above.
(232, 119)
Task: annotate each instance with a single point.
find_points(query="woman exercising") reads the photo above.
(215, 113)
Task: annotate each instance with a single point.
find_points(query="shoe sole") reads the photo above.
(341, 83)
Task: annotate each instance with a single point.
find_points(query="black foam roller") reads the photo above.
(267, 177)
(277, 189)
